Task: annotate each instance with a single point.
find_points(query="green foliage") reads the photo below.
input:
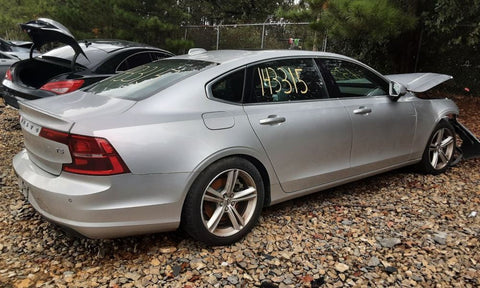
(456, 22)
(13, 13)
(452, 38)
(366, 20)
(179, 45)
(362, 29)
(214, 12)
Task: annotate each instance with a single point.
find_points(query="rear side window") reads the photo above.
(287, 80)
(134, 61)
(144, 81)
(230, 87)
(157, 55)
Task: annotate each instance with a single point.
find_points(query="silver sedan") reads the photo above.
(204, 141)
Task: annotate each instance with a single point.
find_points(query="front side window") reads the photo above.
(286, 80)
(354, 80)
(144, 81)
(230, 87)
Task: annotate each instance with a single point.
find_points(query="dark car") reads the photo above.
(71, 67)
(6, 60)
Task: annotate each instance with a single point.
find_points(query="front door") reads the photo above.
(382, 129)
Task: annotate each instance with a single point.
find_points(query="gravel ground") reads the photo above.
(395, 229)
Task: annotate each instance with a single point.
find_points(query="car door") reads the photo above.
(306, 136)
(382, 129)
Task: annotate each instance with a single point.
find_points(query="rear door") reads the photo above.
(383, 129)
(306, 135)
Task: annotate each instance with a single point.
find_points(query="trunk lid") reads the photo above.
(61, 113)
(44, 30)
(419, 82)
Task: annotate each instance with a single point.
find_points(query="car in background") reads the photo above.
(204, 141)
(17, 49)
(6, 60)
(71, 67)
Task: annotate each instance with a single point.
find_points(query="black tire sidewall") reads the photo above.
(191, 221)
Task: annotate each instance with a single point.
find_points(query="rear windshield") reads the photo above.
(144, 81)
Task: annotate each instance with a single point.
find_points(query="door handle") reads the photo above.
(362, 110)
(272, 120)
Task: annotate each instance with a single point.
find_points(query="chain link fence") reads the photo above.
(255, 36)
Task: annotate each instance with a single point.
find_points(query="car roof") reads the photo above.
(111, 45)
(98, 50)
(241, 57)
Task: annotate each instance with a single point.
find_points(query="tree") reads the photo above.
(214, 12)
(360, 28)
(456, 23)
(13, 13)
(452, 41)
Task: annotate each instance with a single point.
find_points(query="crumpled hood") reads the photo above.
(419, 82)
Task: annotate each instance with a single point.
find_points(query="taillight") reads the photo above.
(8, 75)
(62, 87)
(90, 155)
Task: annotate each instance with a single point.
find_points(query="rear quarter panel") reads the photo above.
(167, 134)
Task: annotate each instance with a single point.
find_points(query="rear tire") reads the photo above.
(440, 149)
(224, 202)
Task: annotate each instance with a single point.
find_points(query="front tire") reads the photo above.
(440, 149)
(224, 202)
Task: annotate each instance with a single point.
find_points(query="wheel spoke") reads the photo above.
(235, 217)
(231, 180)
(215, 219)
(247, 194)
(443, 157)
(213, 195)
(447, 141)
(434, 161)
(439, 138)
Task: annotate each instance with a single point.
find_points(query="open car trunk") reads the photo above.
(36, 72)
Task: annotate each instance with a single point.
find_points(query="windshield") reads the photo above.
(144, 81)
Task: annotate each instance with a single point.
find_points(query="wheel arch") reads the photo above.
(263, 172)
(258, 160)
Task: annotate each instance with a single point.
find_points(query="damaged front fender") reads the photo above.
(470, 147)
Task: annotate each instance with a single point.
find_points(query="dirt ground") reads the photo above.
(397, 229)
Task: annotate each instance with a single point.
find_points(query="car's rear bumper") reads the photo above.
(8, 98)
(13, 93)
(104, 206)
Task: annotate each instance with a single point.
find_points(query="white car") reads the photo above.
(204, 141)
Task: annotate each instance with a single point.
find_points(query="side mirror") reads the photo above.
(396, 90)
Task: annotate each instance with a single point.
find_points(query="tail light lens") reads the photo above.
(62, 87)
(90, 155)
(8, 75)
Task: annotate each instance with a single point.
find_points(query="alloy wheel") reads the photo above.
(229, 202)
(441, 148)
